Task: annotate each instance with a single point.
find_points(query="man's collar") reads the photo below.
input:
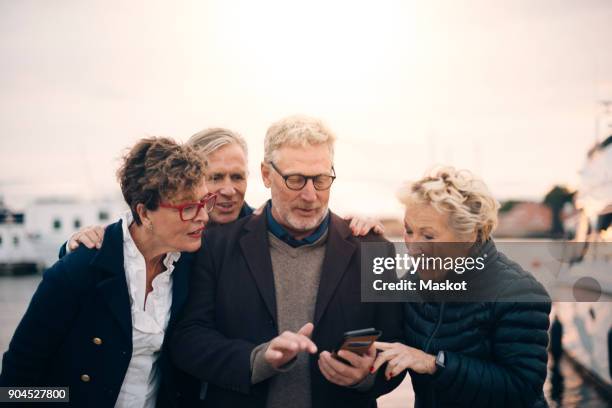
(245, 210)
(281, 233)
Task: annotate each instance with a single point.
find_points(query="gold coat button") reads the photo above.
(97, 341)
(85, 378)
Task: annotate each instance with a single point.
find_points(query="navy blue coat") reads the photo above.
(495, 351)
(77, 331)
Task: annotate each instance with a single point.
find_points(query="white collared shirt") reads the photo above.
(149, 322)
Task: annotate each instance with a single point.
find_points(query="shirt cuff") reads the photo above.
(261, 370)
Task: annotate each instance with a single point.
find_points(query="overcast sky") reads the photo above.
(508, 89)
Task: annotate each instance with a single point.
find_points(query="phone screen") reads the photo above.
(357, 341)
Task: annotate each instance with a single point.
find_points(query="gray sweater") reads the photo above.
(297, 272)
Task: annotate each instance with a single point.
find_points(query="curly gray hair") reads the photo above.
(458, 193)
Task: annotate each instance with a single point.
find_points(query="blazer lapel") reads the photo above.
(256, 250)
(338, 253)
(113, 288)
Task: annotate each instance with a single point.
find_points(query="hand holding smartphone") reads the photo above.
(357, 341)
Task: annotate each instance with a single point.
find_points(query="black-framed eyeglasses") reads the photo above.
(297, 182)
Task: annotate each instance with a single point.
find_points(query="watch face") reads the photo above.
(440, 359)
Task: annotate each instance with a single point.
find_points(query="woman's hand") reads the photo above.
(400, 357)
(361, 226)
(260, 209)
(91, 237)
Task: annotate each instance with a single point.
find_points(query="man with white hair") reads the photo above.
(226, 155)
(272, 294)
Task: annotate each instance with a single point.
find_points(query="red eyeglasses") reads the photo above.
(189, 211)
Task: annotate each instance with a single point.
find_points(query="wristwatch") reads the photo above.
(441, 359)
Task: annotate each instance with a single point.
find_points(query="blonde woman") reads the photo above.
(469, 354)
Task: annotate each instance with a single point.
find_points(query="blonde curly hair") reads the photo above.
(157, 169)
(458, 193)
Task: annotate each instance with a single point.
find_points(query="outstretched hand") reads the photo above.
(285, 347)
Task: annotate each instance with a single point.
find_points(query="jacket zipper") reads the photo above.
(435, 330)
(434, 400)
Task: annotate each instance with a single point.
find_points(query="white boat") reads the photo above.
(583, 330)
(50, 221)
(30, 240)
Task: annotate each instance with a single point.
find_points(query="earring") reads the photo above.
(150, 226)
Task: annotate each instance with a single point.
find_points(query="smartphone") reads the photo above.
(357, 341)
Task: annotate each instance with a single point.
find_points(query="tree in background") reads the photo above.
(555, 199)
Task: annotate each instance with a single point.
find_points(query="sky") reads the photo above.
(509, 90)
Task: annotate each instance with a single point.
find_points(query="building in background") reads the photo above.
(29, 240)
(525, 220)
(17, 255)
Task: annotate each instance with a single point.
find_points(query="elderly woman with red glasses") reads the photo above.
(99, 319)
